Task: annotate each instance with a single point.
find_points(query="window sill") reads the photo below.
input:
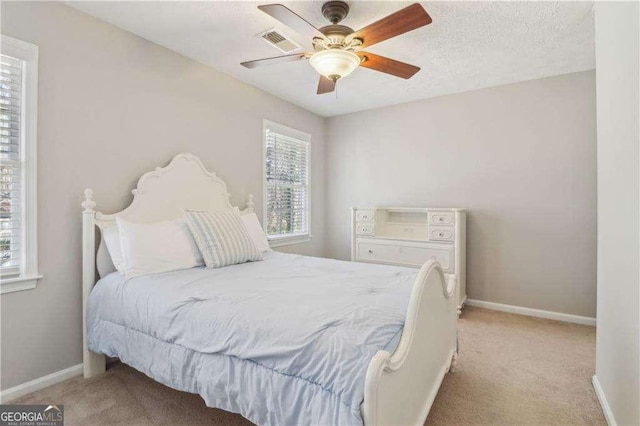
(11, 285)
(285, 241)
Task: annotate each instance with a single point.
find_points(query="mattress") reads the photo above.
(283, 341)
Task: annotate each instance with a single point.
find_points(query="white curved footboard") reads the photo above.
(400, 387)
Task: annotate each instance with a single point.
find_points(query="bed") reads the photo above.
(288, 340)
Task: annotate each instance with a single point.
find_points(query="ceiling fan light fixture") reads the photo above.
(334, 44)
(334, 63)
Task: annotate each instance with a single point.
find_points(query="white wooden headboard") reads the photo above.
(161, 194)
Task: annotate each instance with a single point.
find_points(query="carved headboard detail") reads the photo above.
(161, 194)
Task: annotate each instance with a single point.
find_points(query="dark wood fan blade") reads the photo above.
(274, 60)
(326, 85)
(291, 20)
(387, 65)
(400, 22)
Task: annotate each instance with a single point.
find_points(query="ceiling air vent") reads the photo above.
(279, 41)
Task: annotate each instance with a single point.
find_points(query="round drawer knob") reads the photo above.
(370, 251)
(441, 219)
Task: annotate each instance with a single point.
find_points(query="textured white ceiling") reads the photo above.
(469, 45)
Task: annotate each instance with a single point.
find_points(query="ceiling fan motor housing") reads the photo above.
(335, 34)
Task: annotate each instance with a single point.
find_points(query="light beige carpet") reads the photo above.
(512, 370)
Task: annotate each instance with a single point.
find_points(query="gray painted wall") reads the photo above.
(111, 107)
(520, 157)
(618, 335)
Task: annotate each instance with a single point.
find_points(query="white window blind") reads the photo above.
(18, 167)
(11, 188)
(286, 184)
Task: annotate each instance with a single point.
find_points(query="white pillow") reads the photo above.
(252, 225)
(111, 237)
(149, 248)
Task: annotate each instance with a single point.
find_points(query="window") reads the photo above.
(286, 188)
(18, 107)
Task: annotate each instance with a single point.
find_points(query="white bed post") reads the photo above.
(93, 364)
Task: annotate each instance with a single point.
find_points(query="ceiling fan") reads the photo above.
(338, 49)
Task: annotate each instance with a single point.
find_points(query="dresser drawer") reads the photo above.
(364, 215)
(364, 229)
(406, 254)
(442, 233)
(442, 218)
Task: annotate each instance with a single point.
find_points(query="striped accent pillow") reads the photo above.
(222, 238)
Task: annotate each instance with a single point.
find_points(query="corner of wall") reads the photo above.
(606, 409)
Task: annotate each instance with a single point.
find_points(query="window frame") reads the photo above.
(28, 276)
(283, 240)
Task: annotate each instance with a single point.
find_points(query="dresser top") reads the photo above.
(408, 209)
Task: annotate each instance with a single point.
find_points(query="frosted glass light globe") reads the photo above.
(334, 63)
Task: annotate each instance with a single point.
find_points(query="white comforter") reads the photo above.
(284, 341)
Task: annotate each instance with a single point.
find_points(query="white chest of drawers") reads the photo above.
(409, 237)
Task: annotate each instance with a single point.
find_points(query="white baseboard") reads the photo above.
(39, 383)
(606, 409)
(558, 316)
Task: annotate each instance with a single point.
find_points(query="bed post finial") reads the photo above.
(250, 203)
(88, 204)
